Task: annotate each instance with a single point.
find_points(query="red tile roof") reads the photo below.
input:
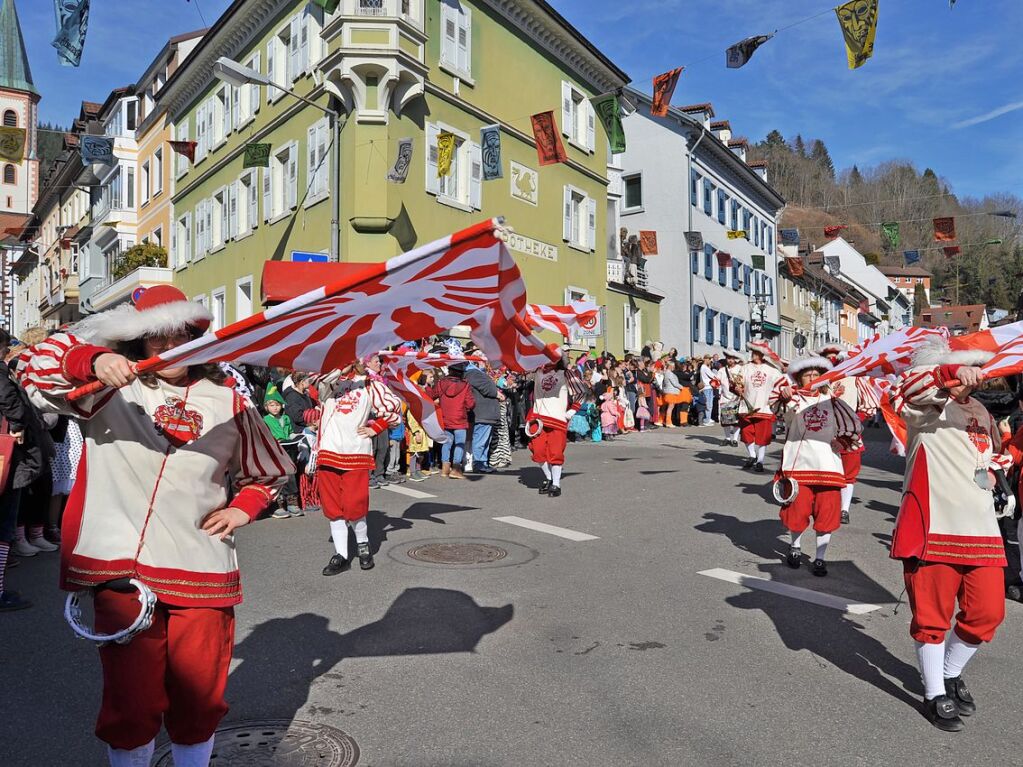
(719, 124)
(741, 141)
(691, 108)
(758, 164)
(904, 271)
(967, 317)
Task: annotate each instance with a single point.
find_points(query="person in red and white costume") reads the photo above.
(756, 419)
(819, 426)
(858, 393)
(152, 502)
(552, 408)
(728, 400)
(358, 409)
(946, 532)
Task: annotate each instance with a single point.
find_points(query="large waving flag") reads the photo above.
(563, 319)
(466, 278)
(881, 357)
(990, 340)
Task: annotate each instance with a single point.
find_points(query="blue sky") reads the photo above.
(942, 90)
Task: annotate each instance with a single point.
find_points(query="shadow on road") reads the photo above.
(381, 524)
(532, 476)
(283, 658)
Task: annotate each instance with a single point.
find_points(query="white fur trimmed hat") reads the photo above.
(936, 351)
(769, 355)
(831, 350)
(734, 355)
(160, 310)
(808, 363)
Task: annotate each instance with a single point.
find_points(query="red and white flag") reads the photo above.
(466, 278)
(880, 357)
(990, 340)
(1007, 361)
(563, 319)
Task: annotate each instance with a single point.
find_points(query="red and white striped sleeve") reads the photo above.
(868, 398)
(776, 400)
(386, 405)
(260, 466)
(848, 424)
(55, 367)
(919, 396)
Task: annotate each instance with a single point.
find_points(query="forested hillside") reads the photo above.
(991, 262)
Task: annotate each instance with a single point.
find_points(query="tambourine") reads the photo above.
(533, 427)
(785, 490)
(147, 605)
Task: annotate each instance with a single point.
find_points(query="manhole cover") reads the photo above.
(276, 743)
(461, 553)
(457, 553)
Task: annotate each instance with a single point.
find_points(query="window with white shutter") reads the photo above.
(254, 63)
(303, 45)
(449, 34)
(464, 40)
(566, 231)
(578, 118)
(580, 219)
(293, 175)
(271, 52)
(267, 193)
(591, 223)
(211, 140)
(475, 176)
(236, 107)
(232, 210)
(294, 50)
(253, 196)
(456, 37)
(199, 228)
(209, 225)
(314, 20)
(181, 161)
(566, 109)
(317, 163)
(432, 182)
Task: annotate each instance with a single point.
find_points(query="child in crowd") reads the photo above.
(282, 430)
(396, 436)
(419, 445)
(609, 414)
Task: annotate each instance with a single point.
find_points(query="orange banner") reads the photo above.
(549, 148)
(664, 87)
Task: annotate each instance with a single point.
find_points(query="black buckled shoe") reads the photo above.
(943, 713)
(820, 568)
(545, 487)
(554, 492)
(750, 463)
(794, 558)
(845, 516)
(365, 557)
(957, 691)
(759, 468)
(337, 565)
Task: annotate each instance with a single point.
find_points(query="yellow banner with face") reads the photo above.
(445, 151)
(858, 19)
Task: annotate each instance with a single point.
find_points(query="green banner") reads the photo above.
(256, 156)
(890, 230)
(609, 109)
(759, 262)
(328, 5)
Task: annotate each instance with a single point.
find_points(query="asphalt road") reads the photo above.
(611, 651)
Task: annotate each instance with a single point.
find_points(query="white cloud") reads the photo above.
(1002, 110)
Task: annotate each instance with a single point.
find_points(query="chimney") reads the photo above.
(739, 146)
(702, 113)
(760, 168)
(723, 130)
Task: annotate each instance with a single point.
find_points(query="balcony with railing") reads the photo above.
(118, 291)
(627, 274)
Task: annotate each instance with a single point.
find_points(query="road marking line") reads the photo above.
(562, 532)
(419, 494)
(786, 590)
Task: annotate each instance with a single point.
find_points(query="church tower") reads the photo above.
(19, 108)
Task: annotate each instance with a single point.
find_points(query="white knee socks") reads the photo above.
(735, 434)
(197, 755)
(823, 539)
(361, 530)
(846, 492)
(957, 655)
(761, 450)
(556, 476)
(796, 538)
(546, 467)
(932, 668)
(752, 450)
(131, 757)
(339, 531)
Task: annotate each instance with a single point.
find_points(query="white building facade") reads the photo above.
(678, 176)
(888, 305)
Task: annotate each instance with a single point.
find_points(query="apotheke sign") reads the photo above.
(530, 247)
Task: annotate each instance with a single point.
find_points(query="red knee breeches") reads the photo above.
(934, 587)
(756, 431)
(344, 494)
(851, 463)
(174, 673)
(824, 504)
(549, 446)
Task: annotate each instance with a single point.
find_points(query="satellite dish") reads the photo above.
(799, 341)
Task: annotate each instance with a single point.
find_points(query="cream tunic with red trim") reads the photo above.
(945, 516)
(815, 423)
(350, 407)
(206, 432)
(551, 403)
(758, 382)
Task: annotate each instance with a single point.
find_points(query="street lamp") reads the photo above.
(236, 75)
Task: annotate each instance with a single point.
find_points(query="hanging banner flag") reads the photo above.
(399, 171)
(736, 234)
(445, 153)
(328, 5)
(738, 54)
(816, 258)
(97, 149)
(187, 148)
(72, 21)
(858, 20)
(694, 240)
(549, 148)
(795, 265)
(648, 243)
(864, 307)
(664, 87)
(911, 256)
(759, 262)
(789, 236)
(490, 142)
(890, 230)
(609, 109)
(256, 156)
(952, 251)
(12, 144)
(944, 229)
(724, 259)
(833, 231)
(834, 264)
